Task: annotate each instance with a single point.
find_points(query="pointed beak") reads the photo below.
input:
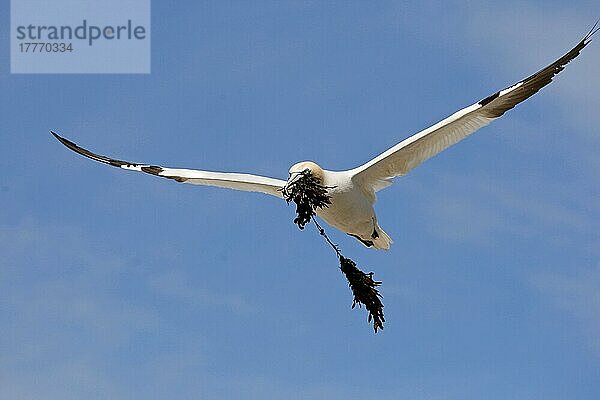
(294, 176)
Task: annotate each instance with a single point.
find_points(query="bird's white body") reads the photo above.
(353, 191)
(351, 209)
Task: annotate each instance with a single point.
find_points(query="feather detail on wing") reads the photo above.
(406, 155)
(245, 182)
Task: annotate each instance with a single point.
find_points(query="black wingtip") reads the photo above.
(66, 142)
(58, 137)
(592, 31)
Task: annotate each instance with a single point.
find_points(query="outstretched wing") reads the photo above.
(406, 155)
(246, 182)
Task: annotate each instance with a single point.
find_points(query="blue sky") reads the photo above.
(120, 285)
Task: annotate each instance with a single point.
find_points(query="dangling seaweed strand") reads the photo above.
(363, 286)
(308, 194)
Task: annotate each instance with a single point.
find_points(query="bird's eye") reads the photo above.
(306, 170)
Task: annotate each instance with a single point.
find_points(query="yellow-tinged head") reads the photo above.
(314, 169)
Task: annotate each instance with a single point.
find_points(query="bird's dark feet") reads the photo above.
(374, 235)
(367, 243)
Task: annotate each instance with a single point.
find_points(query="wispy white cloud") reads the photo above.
(577, 294)
(176, 285)
(476, 208)
(53, 274)
(62, 314)
(507, 42)
(529, 36)
(65, 380)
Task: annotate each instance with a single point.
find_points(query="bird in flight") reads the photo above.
(353, 192)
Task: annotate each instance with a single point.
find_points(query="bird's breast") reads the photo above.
(349, 211)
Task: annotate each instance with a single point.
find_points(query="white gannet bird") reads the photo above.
(352, 192)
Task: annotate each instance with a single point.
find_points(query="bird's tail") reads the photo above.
(383, 241)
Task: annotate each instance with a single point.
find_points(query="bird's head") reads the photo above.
(297, 169)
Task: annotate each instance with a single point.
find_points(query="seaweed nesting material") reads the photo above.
(364, 289)
(309, 194)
